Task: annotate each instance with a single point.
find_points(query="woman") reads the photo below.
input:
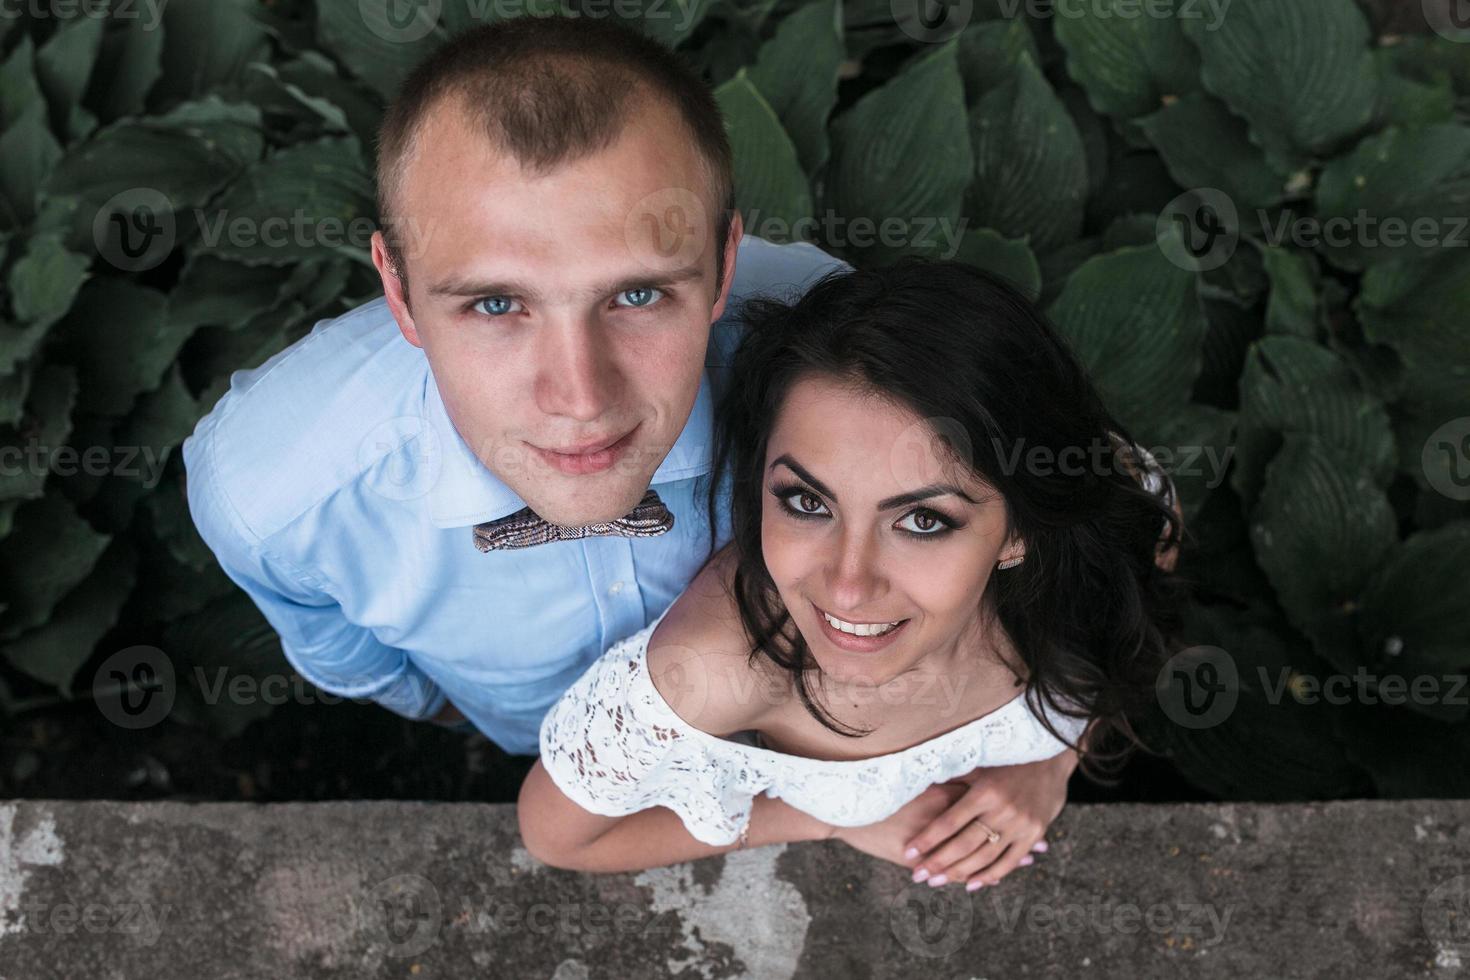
(942, 559)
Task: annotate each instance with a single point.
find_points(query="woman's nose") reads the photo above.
(854, 578)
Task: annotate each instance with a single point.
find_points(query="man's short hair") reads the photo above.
(550, 90)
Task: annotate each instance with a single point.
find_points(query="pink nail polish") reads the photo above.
(921, 874)
(937, 880)
(1041, 845)
(974, 886)
(912, 852)
(1028, 859)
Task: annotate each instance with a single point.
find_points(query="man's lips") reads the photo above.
(590, 457)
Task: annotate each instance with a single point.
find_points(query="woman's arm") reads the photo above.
(560, 833)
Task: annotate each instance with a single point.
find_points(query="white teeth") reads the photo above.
(859, 629)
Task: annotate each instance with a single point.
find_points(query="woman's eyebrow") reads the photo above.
(888, 503)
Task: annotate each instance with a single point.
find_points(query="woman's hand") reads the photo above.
(887, 838)
(1017, 802)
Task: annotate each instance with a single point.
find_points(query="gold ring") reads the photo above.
(990, 835)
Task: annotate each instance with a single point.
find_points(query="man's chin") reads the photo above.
(600, 502)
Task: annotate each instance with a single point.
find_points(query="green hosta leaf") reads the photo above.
(63, 65)
(379, 41)
(309, 201)
(44, 282)
(128, 65)
(1294, 386)
(1128, 64)
(1410, 103)
(1320, 529)
(797, 73)
(1203, 145)
(121, 340)
(1231, 330)
(269, 90)
(989, 51)
(770, 188)
(903, 150)
(15, 388)
(19, 90)
(1301, 73)
(1294, 307)
(1412, 614)
(186, 156)
(162, 418)
(1417, 308)
(1195, 445)
(1404, 193)
(48, 412)
(1269, 746)
(50, 550)
(991, 251)
(214, 292)
(1030, 166)
(53, 651)
(670, 21)
(28, 152)
(1134, 319)
(315, 75)
(207, 45)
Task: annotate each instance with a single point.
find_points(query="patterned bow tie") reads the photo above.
(525, 528)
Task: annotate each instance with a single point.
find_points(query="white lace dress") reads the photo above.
(615, 747)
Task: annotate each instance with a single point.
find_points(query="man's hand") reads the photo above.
(886, 839)
(1018, 802)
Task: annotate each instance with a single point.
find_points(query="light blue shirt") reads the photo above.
(334, 489)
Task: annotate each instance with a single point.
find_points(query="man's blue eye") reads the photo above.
(639, 296)
(496, 305)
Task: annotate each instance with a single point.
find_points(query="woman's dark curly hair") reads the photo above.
(1089, 610)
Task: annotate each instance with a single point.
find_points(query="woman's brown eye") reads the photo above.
(924, 521)
(807, 498)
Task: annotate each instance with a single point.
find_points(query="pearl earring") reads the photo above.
(1012, 562)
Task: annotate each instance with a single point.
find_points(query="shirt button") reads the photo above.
(616, 588)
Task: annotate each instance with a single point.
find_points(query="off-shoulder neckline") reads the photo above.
(644, 677)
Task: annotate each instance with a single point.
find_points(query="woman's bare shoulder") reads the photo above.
(698, 657)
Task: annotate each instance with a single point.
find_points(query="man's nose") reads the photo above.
(576, 374)
(854, 577)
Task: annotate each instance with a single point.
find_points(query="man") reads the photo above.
(562, 267)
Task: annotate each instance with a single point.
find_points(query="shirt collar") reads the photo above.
(466, 492)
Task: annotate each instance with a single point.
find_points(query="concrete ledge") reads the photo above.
(189, 891)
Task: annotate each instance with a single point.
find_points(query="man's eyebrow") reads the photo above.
(479, 288)
(887, 503)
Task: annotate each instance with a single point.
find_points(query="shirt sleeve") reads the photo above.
(338, 656)
(614, 747)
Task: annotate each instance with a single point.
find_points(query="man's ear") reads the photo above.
(394, 289)
(727, 278)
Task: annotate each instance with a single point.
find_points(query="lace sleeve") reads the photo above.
(614, 747)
